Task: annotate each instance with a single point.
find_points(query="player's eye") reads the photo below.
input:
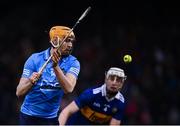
(111, 78)
(119, 79)
(114, 77)
(69, 40)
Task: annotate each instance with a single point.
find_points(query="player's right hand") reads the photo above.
(56, 56)
(34, 77)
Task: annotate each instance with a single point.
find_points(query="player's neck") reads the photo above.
(110, 94)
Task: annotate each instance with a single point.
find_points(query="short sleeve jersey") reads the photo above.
(44, 99)
(95, 108)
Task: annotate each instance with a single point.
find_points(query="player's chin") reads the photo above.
(113, 90)
(66, 52)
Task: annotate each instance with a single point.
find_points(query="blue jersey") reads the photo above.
(96, 108)
(44, 99)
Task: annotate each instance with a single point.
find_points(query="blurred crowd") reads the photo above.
(151, 38)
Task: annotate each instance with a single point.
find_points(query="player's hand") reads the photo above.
(56, 56)
(34, 77)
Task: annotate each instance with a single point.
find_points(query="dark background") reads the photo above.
(148, 31)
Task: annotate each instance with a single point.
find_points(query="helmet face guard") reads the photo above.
(55, 41)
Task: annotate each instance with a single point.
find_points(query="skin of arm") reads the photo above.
(67, 81)
(114, 122)
(25, 84)
(66, 112)
(23, 87)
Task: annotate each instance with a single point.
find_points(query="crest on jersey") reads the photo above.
(114, 110)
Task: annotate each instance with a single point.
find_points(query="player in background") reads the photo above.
(102, 105)
(43, 93)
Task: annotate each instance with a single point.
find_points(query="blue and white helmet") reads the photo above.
(116, 71)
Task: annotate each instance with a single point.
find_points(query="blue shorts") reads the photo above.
(31, 120)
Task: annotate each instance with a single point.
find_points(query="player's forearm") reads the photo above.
(24, 86)
(63, 118)
(66, 85)
(114, 122)
(67, 112)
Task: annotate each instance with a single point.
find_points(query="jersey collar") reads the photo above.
(104, 93)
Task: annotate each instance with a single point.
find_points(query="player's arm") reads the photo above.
(28, 77)
(67, 112)
(115, 122)
(84, 99)
(67, 81)
(23, 87)
(25, 84)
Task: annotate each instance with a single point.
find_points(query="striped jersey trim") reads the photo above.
(74, 70)
(26, 72)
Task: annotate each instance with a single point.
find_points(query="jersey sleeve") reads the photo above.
(28, 67)
(75, 68)
(84, 99)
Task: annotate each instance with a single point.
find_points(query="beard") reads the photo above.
(67, 52)
(111, 93)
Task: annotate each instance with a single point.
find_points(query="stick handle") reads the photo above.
(44, 65)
